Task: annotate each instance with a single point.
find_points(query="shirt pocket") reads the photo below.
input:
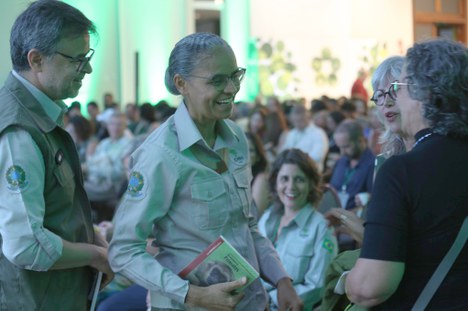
(209, 204)
(242, 178)
(297, 260)
(65, 178)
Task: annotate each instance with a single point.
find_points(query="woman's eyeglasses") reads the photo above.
(220, 81)
(379, 97)
(395, 87)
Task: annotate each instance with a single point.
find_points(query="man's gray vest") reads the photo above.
(67, 210)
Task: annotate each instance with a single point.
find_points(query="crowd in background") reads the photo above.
(106, 138)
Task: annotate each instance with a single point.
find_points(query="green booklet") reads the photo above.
(220, 262)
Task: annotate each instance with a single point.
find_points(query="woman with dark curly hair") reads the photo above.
(420, 198)
(300, 234)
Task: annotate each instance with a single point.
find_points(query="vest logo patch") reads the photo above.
(16, 178)
(135, 184)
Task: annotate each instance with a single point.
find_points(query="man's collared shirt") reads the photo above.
(23, 207)
(312, 140)
(54, 109)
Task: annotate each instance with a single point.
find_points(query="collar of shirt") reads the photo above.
(301, 219)
(54, 110)
(189, 134)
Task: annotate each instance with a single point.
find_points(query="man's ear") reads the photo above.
(180, 84)
(35, 60)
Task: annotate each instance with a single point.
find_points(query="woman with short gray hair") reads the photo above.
(420, 198)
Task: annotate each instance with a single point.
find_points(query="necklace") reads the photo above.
(421, 139)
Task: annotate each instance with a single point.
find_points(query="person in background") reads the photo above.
(334, 118)
(306, 136)
(93, 111)
(358, 90)
(162, 111)
(147, 120)
(133, 117)
(305, 244)
(348, 108)
(240, 114)
(104, 169)
(49, 251)
(257, 122)
(257, 125)
(416, 212)
(80, 130)
(259, 164)
(319, 112)
(354, 171)
(392, 140)
(276, 125)
(74, 109)
(190, 183)
(375, 130)
(109, 101)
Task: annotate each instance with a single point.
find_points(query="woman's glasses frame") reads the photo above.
(379, 97)
(220, 81)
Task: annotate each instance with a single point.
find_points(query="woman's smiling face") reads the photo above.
(204, 101)
(292, 186)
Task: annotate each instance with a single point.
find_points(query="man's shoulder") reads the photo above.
(12, 112)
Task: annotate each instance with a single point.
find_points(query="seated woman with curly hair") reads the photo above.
(305, 244)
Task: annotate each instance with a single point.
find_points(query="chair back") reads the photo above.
(329, 199)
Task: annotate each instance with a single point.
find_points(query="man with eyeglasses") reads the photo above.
(49, 251)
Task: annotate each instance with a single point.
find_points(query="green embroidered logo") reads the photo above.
(135, 184)
(238, 158)
(16, 178)
(328, 245)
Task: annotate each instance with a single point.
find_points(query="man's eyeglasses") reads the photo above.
(82, 61)
(220, 81)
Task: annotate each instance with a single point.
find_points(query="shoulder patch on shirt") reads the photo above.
(236, 157)
(135, 184)
(328, 245)
(16, 178)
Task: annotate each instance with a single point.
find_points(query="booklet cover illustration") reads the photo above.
(218, 263)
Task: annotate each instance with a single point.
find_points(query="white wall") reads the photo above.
(349, 28)
(9, 10)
